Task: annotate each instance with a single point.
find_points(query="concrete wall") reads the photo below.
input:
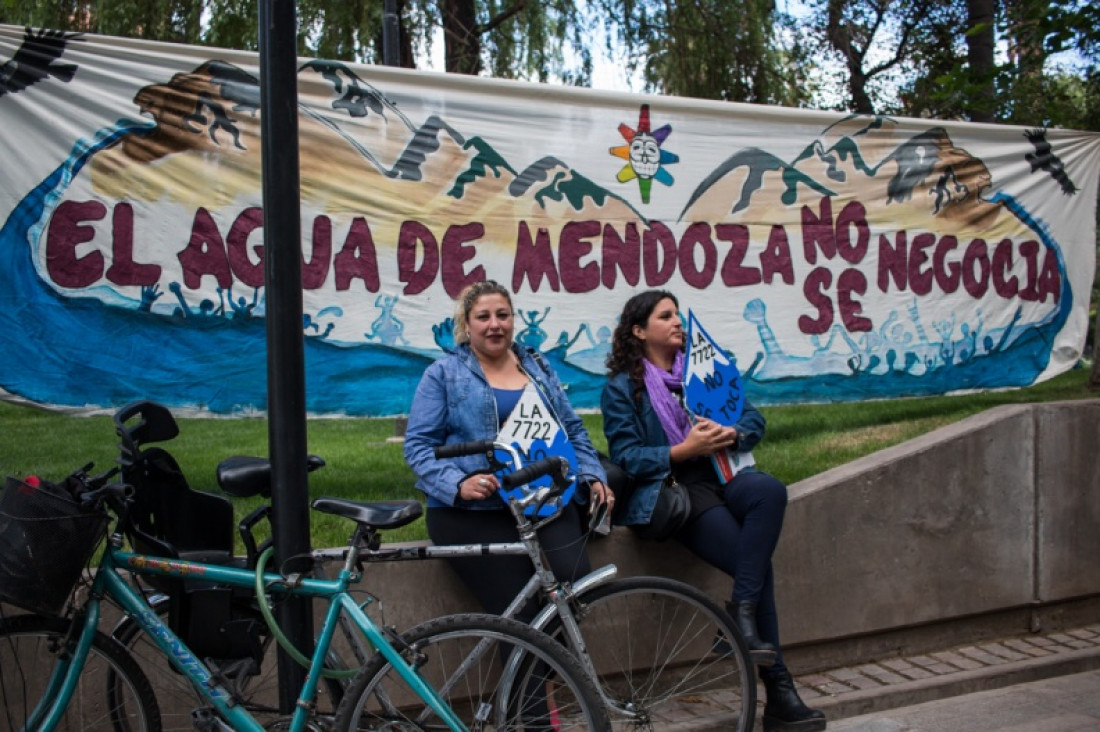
(988, 524)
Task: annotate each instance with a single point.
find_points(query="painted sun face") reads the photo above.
(645, 160)
(645, 155)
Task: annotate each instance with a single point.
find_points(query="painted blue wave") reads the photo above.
(78, 352)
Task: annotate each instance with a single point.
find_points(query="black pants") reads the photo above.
(739, 537)
(495, 581)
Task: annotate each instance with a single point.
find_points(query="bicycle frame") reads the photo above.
(108, 583)
(559, 595)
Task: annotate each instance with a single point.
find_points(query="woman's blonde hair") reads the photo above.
(466, 300)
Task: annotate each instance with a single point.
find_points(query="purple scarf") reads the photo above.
(660, 385)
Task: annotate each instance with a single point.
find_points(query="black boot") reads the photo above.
(744, 617)
(784, 711)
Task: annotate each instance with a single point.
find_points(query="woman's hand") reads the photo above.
(599, 494)
(706, 437)
(478, 487)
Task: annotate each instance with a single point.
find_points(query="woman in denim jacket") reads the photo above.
(467, 395)
(733, 526)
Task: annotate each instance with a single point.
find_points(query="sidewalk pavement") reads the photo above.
(1059, 704)
(884, 696)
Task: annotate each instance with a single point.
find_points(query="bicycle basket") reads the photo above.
(46, 538)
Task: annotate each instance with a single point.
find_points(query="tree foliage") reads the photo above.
(980, 60)
(165, 20)
(525, 39)
(713, 49)
(875, 42)
(1020, 85)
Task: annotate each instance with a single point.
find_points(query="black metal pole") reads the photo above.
(283, 300)
(391, 51)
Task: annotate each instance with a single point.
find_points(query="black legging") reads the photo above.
(495, 581)
(739, 538)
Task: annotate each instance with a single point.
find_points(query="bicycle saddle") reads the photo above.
(375, 515)
(244, 476)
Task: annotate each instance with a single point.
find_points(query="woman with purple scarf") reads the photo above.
(733, 526)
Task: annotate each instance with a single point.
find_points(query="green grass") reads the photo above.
(802, 441)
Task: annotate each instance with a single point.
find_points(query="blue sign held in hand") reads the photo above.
(533, 430)
(712, 389)
(712, 383)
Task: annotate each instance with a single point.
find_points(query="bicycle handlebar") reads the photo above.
(461, 449)
(92, 490)
(556, 467)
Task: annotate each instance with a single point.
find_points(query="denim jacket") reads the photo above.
(454, 403)
(638, 443)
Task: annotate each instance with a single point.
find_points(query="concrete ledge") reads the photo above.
(984, 528)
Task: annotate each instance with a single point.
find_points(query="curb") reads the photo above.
(995, 673)
(867, 701)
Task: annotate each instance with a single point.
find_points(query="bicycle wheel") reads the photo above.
(29, 647)
(658, 644)
(495, 673)
(254, 687)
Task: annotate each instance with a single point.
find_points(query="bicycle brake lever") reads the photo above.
(538, 498)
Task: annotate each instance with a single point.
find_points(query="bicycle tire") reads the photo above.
(177, 697)
(656, 644)
(495, 693)
(29, 647)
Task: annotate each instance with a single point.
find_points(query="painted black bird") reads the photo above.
(36, 60)
(1045, 159)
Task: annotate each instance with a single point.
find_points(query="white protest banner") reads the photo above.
(842, 257)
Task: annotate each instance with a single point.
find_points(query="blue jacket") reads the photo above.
(638, 443)
(454, 403)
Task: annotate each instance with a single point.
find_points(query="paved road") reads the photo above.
(1061, 704)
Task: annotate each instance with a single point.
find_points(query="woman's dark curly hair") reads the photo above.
(627, 352)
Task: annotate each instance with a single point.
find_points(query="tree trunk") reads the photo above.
(1025, 19)
(979, 53)
(839, 35)
(407, 59)
(461, 42)
(861, 100)
(1026, 22)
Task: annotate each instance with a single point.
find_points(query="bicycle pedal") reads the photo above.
(721, 646)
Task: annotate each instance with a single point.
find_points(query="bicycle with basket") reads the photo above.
(651, 642)
(60, 671)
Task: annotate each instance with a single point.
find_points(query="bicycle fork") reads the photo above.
(562, 601)
(72, 655)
